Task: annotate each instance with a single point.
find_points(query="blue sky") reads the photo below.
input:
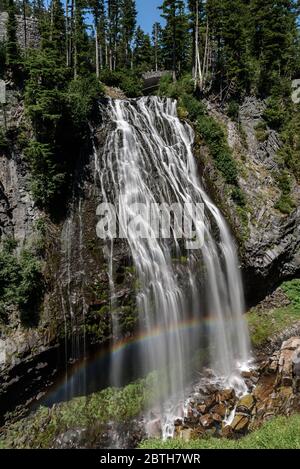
(148, 13)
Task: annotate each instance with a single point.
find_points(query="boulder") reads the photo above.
(225, 395)
(207, 421)
(246, 404)
(240, 422)
(219, 409)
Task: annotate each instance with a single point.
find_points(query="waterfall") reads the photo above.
(184, 296)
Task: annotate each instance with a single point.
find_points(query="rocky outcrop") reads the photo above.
(269, 241)
(273, 389)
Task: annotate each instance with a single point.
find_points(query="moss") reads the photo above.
(40, 429)
(278, 433)
(264, 324)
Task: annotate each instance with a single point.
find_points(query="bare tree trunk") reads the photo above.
(75, 41)
(198, 77)
(206, 55)
(97, 51)
(156, 46)
(67, 33)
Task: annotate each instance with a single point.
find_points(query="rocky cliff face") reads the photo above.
(269, 240)
(74, 311)
(76, 301)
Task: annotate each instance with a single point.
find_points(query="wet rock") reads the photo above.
(207, 421)
(225, 395)
(240, 422)
(246, 404)
(227, 431)
(219, 409)
(217, 418)
(202, 408)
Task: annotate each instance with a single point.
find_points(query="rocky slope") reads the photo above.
(269, 241)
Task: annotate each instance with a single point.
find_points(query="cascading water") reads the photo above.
(148, 160)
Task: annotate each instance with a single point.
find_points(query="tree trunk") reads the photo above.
(97, 51)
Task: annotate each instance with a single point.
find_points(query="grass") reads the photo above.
(264, 324)
(278, 433)
(41, 428)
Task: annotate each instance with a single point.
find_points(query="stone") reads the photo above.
(227, 431)
(217, 418)
(202, 408)
(246, 404)
(240, 422)
(296, 362)
(185, 434)
(225, 395)
(219, 409)
(206, 421)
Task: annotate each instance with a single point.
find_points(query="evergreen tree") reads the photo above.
(175, 35)
(142, 49)
(228, 23)
(113, 14)
(157, 60)
(58, 31)
(98, 10)
(128, 24)
(274, 39)
(80, 39)
(12, 49)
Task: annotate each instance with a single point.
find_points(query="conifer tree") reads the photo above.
(274, 39)
(128, 24)
(113, 13)
(175, 37)
(12, 49)
(157, 46)
(142, 49)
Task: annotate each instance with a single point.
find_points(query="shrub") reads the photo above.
(21, 281)
(213, 135)
(275, 113)
(82, 97)
(238, 196)
(46, 178)
(177, 89)
(194, 108)
(285, 204)
(233, 109)
(126, 80)
(261, 131)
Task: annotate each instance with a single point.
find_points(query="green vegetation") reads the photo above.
(278, 433)
(126, 80)
(261, 131)
(40, 429)
(21, 282)
(264, 324)
(285, 204)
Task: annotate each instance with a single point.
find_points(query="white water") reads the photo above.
(148, 158)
